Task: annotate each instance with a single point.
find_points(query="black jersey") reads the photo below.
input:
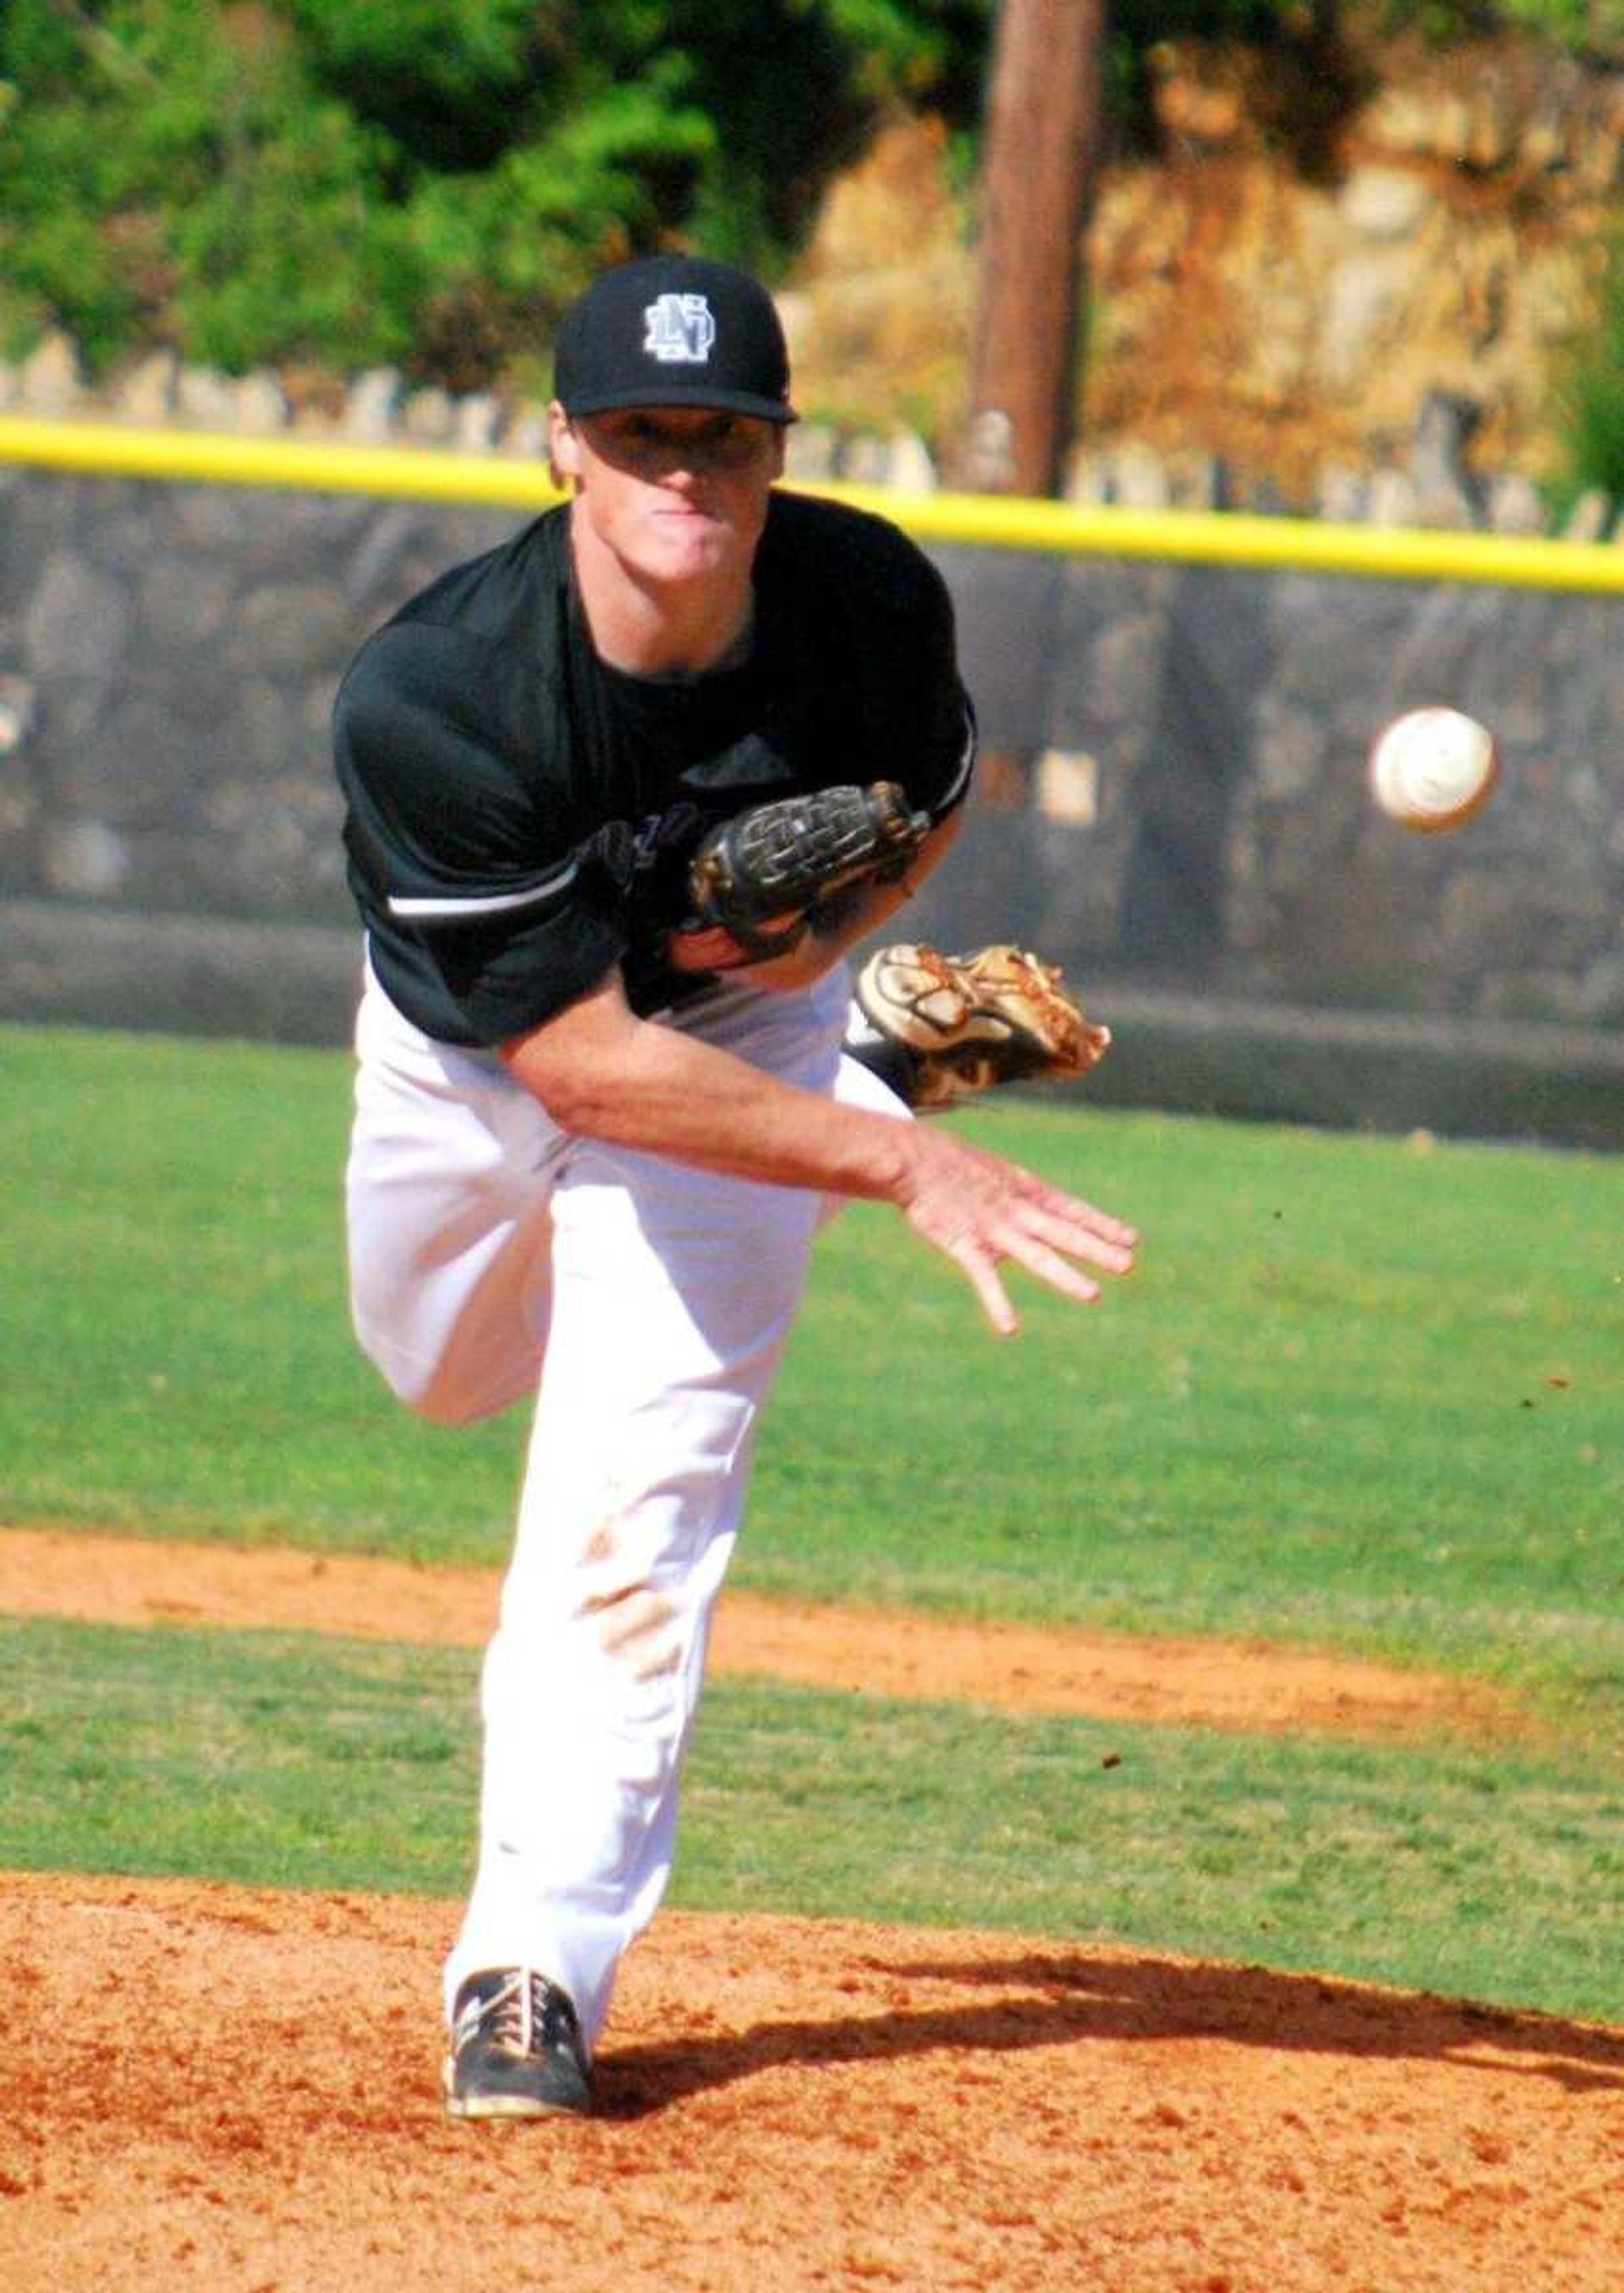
(482, 743)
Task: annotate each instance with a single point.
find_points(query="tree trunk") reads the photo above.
(1043, 140)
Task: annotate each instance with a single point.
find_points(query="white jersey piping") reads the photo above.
(961, 779)
(492, 903)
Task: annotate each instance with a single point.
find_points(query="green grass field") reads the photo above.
(1359, 1396)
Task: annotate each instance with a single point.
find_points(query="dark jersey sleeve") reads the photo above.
(875, 615)
(482, 919)
(936, 745)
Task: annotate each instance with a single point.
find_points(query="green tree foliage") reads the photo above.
(344, 181)
(169, 171)
(351, 180)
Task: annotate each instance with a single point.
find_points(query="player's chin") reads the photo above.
(688, 526)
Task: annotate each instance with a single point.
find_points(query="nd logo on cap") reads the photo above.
(672, 330)
(681, 329)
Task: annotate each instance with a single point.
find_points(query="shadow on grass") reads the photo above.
(1070, 1998)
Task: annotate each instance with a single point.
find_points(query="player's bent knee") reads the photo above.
(451, 1400)
(439, 1393)
(438, 1405)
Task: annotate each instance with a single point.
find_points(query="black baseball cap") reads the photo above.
(674, 330)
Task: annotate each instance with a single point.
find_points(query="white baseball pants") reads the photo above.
(646, 1305)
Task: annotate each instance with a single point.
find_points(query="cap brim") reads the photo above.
(701, 400)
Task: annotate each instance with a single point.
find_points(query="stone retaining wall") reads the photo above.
(1188, 797)
(1174, 797)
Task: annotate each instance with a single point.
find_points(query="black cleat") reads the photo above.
(516, 2049)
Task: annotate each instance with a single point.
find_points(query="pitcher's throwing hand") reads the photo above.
(983, 1212)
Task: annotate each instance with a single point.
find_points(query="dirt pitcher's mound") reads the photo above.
(204, 2088)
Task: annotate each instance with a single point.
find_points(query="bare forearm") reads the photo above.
(685, 1100)
(602, 1073)
(665, 1093)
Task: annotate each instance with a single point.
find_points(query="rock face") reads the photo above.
(1285, 318)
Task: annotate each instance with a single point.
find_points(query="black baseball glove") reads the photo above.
(785, 858)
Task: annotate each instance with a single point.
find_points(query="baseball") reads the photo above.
(1433, 768)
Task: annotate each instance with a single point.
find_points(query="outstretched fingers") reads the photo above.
(1068, 1223)
(982, 1272)
(1056, 1271)
(983, 1213)
(1038, 1240)
(1084, 1216)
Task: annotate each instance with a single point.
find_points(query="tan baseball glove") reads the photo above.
(963, 1022)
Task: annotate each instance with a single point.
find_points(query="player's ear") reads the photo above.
(781, 439)
(562, 447)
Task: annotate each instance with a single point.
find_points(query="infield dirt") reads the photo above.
(222, 2088)
(1249, 1685)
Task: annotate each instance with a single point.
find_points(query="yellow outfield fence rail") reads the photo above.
(107, 450)
(1064, 529)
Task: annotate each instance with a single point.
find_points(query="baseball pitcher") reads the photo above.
(621, 795)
